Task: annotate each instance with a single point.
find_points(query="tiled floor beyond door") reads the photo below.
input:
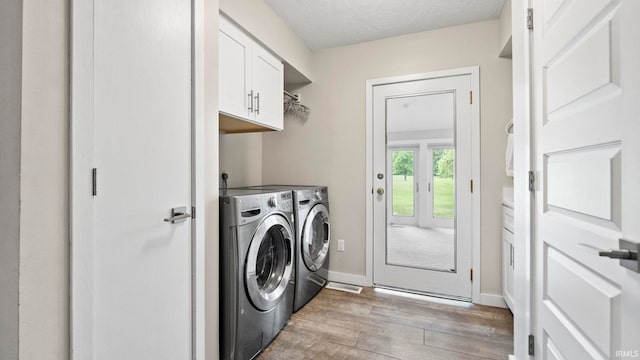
(375, 325)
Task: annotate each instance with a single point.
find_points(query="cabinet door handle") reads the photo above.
(251, 101)
(511, 256)
(258, 103)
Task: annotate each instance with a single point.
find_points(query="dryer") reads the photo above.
(313, 232)
(256, 269)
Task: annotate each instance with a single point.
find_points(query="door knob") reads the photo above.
(178, 215)
(380, 191)
(627, 254)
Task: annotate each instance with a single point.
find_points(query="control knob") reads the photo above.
(272, 202)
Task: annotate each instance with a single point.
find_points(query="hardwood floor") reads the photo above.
(375, 325)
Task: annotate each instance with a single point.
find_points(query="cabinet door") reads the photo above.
(268, 87)
(234, 70)
(507, 267)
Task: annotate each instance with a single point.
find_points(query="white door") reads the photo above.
(402, 185)
(133, 294)
(586, 96)
(429, 260)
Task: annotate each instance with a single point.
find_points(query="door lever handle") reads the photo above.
(178, 215)
(627, 254)
(619, 254)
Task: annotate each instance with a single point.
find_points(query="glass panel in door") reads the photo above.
(421, 123)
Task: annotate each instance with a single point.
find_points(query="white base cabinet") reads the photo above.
(507, 255)
(251, 79)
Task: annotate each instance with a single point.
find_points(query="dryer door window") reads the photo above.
(315, 237)
(269, 268)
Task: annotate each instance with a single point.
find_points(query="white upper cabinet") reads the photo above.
(251, 80)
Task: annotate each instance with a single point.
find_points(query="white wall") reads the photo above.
(44, 239)
(330, 149)
(241, 158)
(10, 107)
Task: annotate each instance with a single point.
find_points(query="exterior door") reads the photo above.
(586, 91)
(437, 261)
(403, 186)
(132, 285)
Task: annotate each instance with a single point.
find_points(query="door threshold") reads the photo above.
(436, 298)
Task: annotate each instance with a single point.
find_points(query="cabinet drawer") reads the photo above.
(507, 218)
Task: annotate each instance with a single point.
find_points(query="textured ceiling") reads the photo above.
(329, 23)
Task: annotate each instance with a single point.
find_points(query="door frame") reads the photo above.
(474, 73)
(81, 155)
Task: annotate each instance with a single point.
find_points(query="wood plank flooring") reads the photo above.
(374, 325)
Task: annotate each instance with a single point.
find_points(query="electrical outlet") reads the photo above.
(340, 245)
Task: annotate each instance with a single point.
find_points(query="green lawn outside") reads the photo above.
(403, 196)
(443, 198)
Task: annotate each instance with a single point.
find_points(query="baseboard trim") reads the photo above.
(492, 300)
(347, 278)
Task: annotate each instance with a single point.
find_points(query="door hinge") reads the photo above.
(530, 18)
(94, 181)
(531, 345)
(532, 182)
(471, 97)
(471, 274)
(471, 185)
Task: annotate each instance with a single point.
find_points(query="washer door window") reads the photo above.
(269, 267)
(315, 237)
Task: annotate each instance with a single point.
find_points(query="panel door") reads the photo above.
(588, 164)
(234, 75)
(142, 117)
(507, 267)
(268, 88)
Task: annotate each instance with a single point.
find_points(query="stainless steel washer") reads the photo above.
(256, 269)
(313, 237)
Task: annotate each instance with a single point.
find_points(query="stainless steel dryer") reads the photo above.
(311, 209)
(256, 269)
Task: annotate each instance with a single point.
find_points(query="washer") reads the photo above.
(256, 269)
(313, 232)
